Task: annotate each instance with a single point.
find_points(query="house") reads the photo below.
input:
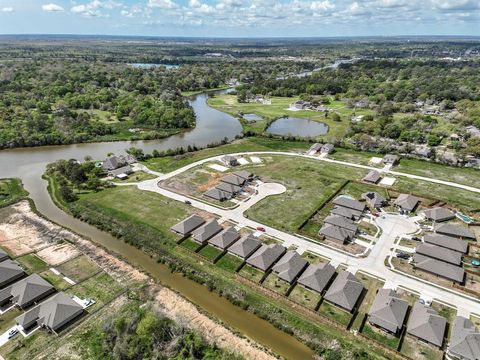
(301, 104)
(390, 159)
(206, 231)
(447, 242)
(243, 174)
(336, 233)
(266, 256)
(290, 266)
(26, 292)
(10, 272)
(373, 177)
(457, 231)
(341, 222)
(388, 311)
(229, 160)
(217, 194)
(440, 253)
(314, 149)
(233, 180)
(344, 291)
(114, 162)
(245, 247)
(439, 268)
(327, 149)
(52, 314)
(426, 325)
(228, 188)
(465, 340)
(406, 203)
(356, 207)
(122, 172)
(374, 199)
(225, 238)
(317, 277)
(3, 255)
(439, 214)
(346, 212)
(186, 226)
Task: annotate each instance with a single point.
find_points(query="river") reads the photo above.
(212, 126)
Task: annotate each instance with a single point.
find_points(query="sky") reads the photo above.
(241, 18)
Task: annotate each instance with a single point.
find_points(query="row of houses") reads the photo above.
(229, 186)
(22, 291)
(441, 252)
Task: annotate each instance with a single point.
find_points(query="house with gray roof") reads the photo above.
(439, 268)
(26, 292)
(465, 340)
(317, 277)
(440, 253)
(455, 230)
(245, 247)
(344, 291)
(113, 162)
(406, 202)
(346, 212)
(52, 314)
(264, 258)
(228, 188)
(372, 177)
(290, 266)
(447, 242)
(374, 199)
(244, 174)
(439, 214)
(336, 233)
(121, 172)
(205, 232)
(10, 272)
(426, 325)
(341, 222)
(349, 203)
(390, 159)
(3, 255)
(388, 311)
(217, 194)
(233, 180)
(225, 238)
(186, 226)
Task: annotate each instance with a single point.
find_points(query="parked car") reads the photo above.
(188, 202)
(12, 333)
(260, 228)
(416, 238)
(403, 255)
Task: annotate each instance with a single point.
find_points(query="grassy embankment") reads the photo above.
(11, 191)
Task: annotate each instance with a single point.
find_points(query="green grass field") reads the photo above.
(210, 252)
(136, 177)
(229, 262)
(79, 268)
(56, 280)
(32, 263)
(305, 297)
(273, 282)
(190, 244)
(334, 313)
(11, 190)
(251, 273)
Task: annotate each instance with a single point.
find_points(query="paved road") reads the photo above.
(392, 226)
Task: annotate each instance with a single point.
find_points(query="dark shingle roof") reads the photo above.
(448, 271)
(206, 231)
(316, 277)
(290, 266)
(266, 256)
(388, 310)
(454, 230)
(26, 291)
(217, 194)
(344, 291)
(465, 339)
(440, 253)
(447, 242)
(342, 222)
(225, 238)
(245, 246)
(407, 202)
(9, 272)
(243, 174)
(336, 233)
(439, 214)
(372, 177)
(349, 203)
(3, 255)
(346, 212)
(426, 324)
(233, 179)
(188, 225)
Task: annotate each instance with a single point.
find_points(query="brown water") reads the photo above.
(212, 125)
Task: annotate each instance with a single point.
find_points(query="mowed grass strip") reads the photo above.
(210, 252)
(79, 268)
(32, 263)
(305, 297)
(335, 313)
(229, 262)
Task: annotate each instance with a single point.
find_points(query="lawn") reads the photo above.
(137, 176)
(101, 288)
(11, 190)
(273, 282)
(56, 280)
(313, 259)
(335, 313)
(7, 320)
(371, 285)
(305, 297)
(278, 108)
(32, 263)
(79, 268)
(210, 252)
(251, 273)
(381, 336)
(229, 262)
(190, 244)
(447, 312)
(418, 350)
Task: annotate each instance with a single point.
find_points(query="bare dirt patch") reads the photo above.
(57, 254)
(183, 311)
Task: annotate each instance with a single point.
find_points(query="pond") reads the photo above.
(297, 127)
(252, 117)
(150, 66)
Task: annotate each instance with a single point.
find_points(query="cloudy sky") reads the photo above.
(249, 18)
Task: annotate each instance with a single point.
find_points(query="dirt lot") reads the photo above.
(57, 254)
(184, 311)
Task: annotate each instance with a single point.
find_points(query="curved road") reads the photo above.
(392, 226)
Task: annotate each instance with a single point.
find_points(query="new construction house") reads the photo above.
(225, 238)
(374, 199)
(465, 340)
(206, 231)
(373, 177)
(350, 207)
(406, 203)
(317, 277)
(290, 266)
(245, 247)
(229, 186)
(3, 256)
(425, 324)
(10, 272)
(388, 311)
(265, 256)
(439, 214)
(344, 291)
(440, 253)
(186, 226)
(457, 231)
(26, 292)
(439, 268)
(447, 242)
